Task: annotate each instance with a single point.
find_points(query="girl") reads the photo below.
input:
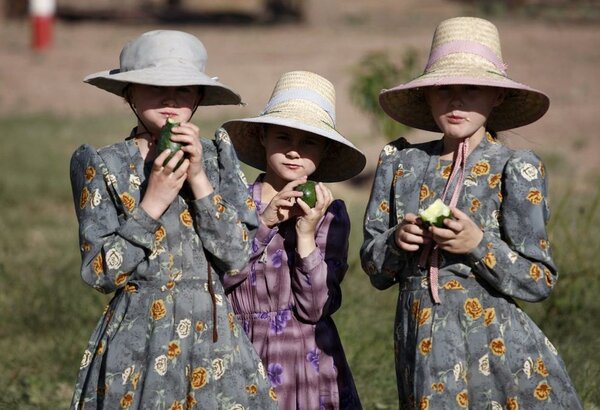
(286, 295)
(460, 339)
(152, 232)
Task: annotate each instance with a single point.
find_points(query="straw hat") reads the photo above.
(164, 58)
(465, 50)
(304, 101)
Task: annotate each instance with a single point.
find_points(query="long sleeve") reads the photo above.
(111, 246)
(316, 278)
(517, 262)
(380, 256)
(226, 220)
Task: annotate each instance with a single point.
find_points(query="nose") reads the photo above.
(169, 97)
(456, 98)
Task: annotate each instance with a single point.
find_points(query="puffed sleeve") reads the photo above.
(111, 246)
(381, 258)
(316, 278)
(518, 262)
(226, 220)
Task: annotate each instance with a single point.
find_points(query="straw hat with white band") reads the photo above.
(465, 50)
(164, 58)
(304, 101)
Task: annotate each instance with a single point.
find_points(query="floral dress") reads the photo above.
(168, 339)
(476, 349)
(285, 303)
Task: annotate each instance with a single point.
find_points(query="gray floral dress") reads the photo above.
(476, 349)
(168, 339)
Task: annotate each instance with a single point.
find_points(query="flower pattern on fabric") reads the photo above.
(156, 334)
(476, 349)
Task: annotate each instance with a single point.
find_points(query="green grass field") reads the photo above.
(47, 313)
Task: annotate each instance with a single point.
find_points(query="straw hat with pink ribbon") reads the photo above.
(465, 50)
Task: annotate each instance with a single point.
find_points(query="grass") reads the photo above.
(47, 313)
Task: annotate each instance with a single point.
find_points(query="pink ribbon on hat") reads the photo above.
(464, 46)
(430, 257)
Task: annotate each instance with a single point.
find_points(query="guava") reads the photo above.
(308, 193)
(436, 213)
(164, 141)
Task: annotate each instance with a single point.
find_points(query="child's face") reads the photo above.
(155, 104)
(461, 111)
(291, 153)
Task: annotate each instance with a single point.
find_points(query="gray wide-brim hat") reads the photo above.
(465, 51)
(305, 101)
(166, 58)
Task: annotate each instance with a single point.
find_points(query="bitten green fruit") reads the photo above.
(435, 213)
(164, 140)
(308, 193)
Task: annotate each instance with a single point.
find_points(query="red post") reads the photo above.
(42, 20)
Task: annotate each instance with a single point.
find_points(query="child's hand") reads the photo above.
(310, 217)
(411, 233)
(460, 235)
(280, 207)
(164, 183)
(188, 134)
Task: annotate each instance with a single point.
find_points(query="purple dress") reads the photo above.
(285, 303)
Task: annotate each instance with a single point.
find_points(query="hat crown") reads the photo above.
(466, 45)
(161, 48)
(298, 93)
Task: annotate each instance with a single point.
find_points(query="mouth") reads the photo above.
(292, 166)
(168, 114)
(455, 118)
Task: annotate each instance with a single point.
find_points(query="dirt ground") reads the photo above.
(561, 59)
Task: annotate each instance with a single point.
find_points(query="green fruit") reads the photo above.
(308, 193)
(435, 213)
(164, 140)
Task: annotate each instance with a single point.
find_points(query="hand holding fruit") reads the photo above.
(320, 197)
(281, 206)
(459, 235)
(411, 233)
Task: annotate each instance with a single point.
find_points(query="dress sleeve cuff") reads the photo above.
(310, 262)
(140, 228)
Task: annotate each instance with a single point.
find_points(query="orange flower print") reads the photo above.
(384, 207)
(497, 346)
(489, 260)
(86, 247)
(494, 180)
(97, 265)
(475, 204)
(489, 315)
(548, 278)
(500, 197)
(544, 244)
(100, 348)
(272, 394)
(85, 196)
(244, 235)
(481, 168)
(200, 326)
(490, 138)
(512, 403)
(199, 378)
(542, 391)
(160, 234)
(128, 201)
(535, 196)
(535, 272)
(190, 402)
(424, 403)
(176, 406)
(158, 309)
(424, 316)
(453, 284)
(136, 379)
(438, 387)
(398, 174)
(90, 173)
(250, 203)
(542, 169)
(121, 278)
(186, 218)
(540, 367)
(173, 350)
(251, 389)
(415, 308)
(425, 346)
(218, 202)
(462, 398)
(473, 308)
(231, 321)
(127, 400)
(424, 192)
(446, 171)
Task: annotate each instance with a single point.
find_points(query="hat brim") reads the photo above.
(342, 160)
(522, 104)
(115, 81)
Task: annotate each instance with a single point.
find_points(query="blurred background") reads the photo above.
(46, 111)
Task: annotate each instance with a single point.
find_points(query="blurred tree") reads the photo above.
(374, 73)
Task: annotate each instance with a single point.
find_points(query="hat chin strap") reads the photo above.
(144, 124)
